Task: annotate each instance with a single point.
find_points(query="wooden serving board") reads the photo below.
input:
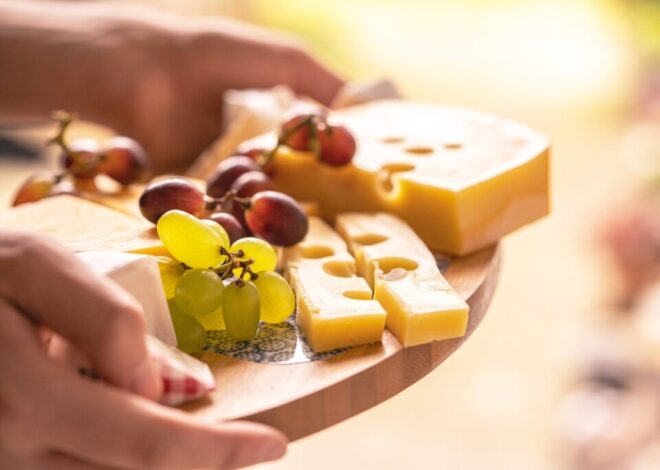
(303, 398)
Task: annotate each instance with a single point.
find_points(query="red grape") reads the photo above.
(251, 183)
(170, 193)
(258, 154)
(124, 160)
(297, 132)
(230, 224)
(35, 188)
(277, 218)
(337, 145)
(82, 158)
(226, 173)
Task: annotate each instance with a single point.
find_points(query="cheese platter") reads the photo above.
(320, 268)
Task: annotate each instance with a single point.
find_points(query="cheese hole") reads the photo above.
(419, 150)
(453, 145)
(339, 268)
(357, 294)
(396, 266)
(392, 140)
(369, 239)
(316, 251)
(386, 172)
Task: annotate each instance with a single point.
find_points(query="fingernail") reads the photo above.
(146, 380)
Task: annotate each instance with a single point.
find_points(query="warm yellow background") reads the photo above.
(567, 68)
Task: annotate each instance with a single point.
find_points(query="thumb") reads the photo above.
(105, 323)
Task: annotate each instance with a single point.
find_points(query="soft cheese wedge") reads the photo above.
(84, 226)
(335, 308)
(421, 305)
(139, 276)
(461, 179)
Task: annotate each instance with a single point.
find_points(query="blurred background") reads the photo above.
(561, 374)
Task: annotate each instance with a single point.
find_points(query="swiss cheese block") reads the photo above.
(335, 308)
(461, 179)
(421, 305)
(139, 276)
(84, 226)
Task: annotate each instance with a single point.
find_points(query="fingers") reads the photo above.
(53, 287)
(123, 430)
(312, 79)
(58, 461)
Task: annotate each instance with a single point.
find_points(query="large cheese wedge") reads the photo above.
(461, 179)
(421, 305)
(335, 308)
(139, 276)
(84, 226)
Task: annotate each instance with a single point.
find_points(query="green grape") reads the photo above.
(199, 292)
(277, 299)
(220, 229)
(264, 256)
(214, 320)
(191, 241)
(241, 308)
(170, 272)
(190, 335)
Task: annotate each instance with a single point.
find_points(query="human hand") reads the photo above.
(53, 418)
(165, 79)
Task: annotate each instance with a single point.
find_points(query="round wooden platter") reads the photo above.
(303, 398)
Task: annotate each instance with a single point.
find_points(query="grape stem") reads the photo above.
(225, 202)
(314, 122)
(64, 120)
(234, 261)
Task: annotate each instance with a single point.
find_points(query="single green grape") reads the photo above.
(277, 299)
(264, 256)
(191, 241)
(241, 308)
(170, 272)
(190, 335)
(220, 229)
(199, 292)
(214, 320)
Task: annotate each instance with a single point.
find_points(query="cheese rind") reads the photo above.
(421, 305)
(461, 179)
(139, 276)
(335, 308)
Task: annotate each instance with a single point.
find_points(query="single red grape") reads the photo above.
(297, 132)
(124, 160)
(258, 154)
(226, 173)
(230, 224)
(277, 218)
(35, 188)
(337, 145)
(170, 193)
(82, 158)
(251, 183)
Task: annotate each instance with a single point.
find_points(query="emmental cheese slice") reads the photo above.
(335, 308)
(84, 226)
(421, 305)
(461, 179)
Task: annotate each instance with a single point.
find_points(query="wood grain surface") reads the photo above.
(301, 399)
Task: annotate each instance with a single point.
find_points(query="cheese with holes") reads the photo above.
(335, 308)
(421, 305)
(84, 226)
(461, 179)
(139, 276)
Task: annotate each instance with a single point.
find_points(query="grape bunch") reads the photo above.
(120, 158)
(271, 215)
(212, 282)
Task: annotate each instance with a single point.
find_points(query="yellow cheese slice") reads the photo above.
(84, 226)
(421, 305)
(335, 308)
(461, 179)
